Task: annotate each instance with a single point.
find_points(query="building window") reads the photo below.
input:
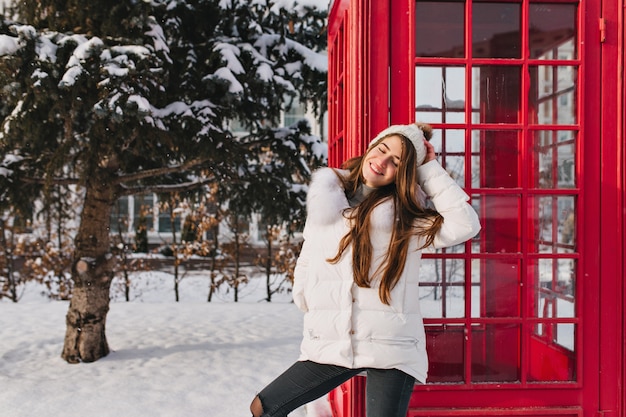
(296, 112)
(143, 209)
(120, 218)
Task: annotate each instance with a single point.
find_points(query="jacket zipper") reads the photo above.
(394, 340)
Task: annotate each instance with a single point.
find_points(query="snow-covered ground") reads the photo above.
(190, 358)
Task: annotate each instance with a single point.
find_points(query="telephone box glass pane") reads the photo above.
(496, 353)
(555, 296)
(552, 31)
(495, 288)
(446, 359)
(501, 223)
(450, 144)
(496, 30)
(554, 159)
(559, 334)
(440, 94)
(477, 292)
(553, 94)
(495, 159)
(553, 337)
(553, 224)
(552, 352)
(496, 94)
(477, 243)
(439, 29)
(442, 288)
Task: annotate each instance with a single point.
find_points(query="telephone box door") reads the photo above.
(515, 91)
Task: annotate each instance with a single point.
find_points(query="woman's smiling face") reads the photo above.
(381, 162)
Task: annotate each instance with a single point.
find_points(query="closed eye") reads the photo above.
(384, 149)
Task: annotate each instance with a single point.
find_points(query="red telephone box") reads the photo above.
(527, 99)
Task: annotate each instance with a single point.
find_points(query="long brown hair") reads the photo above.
(411, 219)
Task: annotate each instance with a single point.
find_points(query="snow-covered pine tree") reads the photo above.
(125, 96)
(276, 196)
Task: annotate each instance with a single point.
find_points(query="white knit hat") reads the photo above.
(412, 132)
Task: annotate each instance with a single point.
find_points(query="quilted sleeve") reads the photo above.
(460, 221)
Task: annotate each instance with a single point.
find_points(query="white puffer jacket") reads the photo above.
(347, 325)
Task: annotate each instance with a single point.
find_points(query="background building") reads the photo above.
(130, 209)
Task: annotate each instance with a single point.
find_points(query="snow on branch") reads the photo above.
(230, 54)
(298, 6)
(8, 45)
(224, 73)
(314, 60)
(84, 50)
(159, 42)
(9, 159)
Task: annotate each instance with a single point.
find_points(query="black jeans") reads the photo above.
(388, 391)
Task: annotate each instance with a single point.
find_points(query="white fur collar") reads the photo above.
(326, 199)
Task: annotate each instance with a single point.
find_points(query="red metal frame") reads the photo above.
(358, 94)
(609, 125)
(337, 32)
(621, 133)
(373, 37)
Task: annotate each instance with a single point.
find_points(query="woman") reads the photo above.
(357, 276)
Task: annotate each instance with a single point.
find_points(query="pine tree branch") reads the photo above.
(165, 188)
(157, 172)
(149, 173)
(50, 181)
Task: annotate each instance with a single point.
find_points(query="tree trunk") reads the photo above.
(85, 338)
(9, 258)
(237, 252)
(214, 252)
(268, 264)
(174, 249)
